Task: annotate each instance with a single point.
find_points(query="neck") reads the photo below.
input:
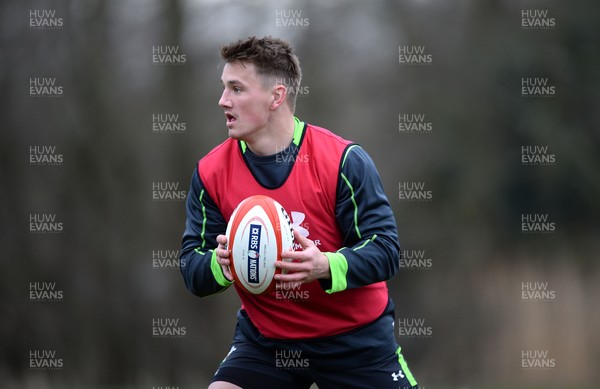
(274, 137)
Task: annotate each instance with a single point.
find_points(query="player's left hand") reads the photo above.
(306, 266)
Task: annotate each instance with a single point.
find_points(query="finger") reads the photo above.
(223, 261)
(227, 272)
(291, 266)
(304, 242)
(222, 253)
(293, 255)
(222, 239)
(293, 277)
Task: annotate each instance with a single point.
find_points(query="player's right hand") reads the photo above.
(223, 256)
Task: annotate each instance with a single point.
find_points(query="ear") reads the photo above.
(279, 95)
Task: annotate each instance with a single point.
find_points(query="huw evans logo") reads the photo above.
(537, 87)
(537, 19)
(291, 18)
(168, 55)
(168, 328)
(413, 124)
(413, 191)
(167, 123)
(44, 87)
(167, 191)
(290, 359)
(165, 259)
(293, 86)
(537, 155)
(44, 223)
(44, 156)
(291, 291)
(537, 292)
(254, 253)
(44, 360)
(537, 223)
(414, 55)
(44, 19)
(415, 260)
(537, 360)
(414, 328)
(290, 155)
(44, 292)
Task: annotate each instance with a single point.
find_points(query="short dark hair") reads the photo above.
(272, 57)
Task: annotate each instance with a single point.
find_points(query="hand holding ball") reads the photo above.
(258, 231)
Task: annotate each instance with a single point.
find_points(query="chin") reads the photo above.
(234, 134)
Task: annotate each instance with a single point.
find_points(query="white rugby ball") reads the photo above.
(258, 231)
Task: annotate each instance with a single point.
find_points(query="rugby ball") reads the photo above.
(258, 231)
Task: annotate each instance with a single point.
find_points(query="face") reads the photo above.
(245, 100)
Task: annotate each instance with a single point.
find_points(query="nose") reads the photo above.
(224, 101)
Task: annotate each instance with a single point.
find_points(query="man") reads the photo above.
(336, 328)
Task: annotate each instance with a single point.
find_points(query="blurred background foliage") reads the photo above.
(471, 93)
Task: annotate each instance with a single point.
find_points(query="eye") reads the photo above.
(237, 89)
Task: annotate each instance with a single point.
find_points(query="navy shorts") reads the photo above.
(367, 357)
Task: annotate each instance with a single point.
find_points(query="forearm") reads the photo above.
(372, 260)
(201, 273)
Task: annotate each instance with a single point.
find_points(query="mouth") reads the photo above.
(230, 118)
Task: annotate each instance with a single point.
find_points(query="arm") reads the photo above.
(370, 251)
(201, 272)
